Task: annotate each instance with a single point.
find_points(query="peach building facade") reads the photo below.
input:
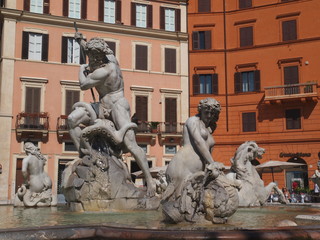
(39, 84)
(259, 58)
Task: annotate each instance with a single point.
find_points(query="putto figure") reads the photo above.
(111, 112)
(36, 191)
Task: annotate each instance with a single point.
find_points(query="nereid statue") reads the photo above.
(102, 131)
(197, 188)
(36, 191)
(252, 191)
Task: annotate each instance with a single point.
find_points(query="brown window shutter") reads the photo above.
(249, 122)
(118, 11)
(141, 57)
(64, 49)
(25, 45)
(171, 114)
(204, 5)
(215, 83)
(101, 10)
(133, 14)
(65, 8)
(45, 47)
(170, 60)
(291, 75)
(178, 20)
(46, 6)
(26, 5)
(207, 36)
(142, 108)
(289, 30)
(237, 82)
(112, 46)
(149, 16)
(245, 4)
(196, 84)
(72, 97)
(83, 9)
(162, 18)
(246, 36)
(83, 57)
(257, 80)
(195, 40)
(33, 97)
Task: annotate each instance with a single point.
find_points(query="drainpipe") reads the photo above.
(225, 63)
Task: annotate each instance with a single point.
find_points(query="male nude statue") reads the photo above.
(103, 72)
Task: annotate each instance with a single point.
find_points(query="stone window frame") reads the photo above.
(149, 56)
(178, 60)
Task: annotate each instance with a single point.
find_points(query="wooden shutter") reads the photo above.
(249, 122)
(46, 6)
(246, 36)
(291, 75)
(162, 18)
(207, 37)
(26, 5)
(178, 20)
(83, 9)
(133, 14)
(149, 16)
(170, 60)
(196, 84)
(245, 4)
(65, 8)
(141, 57)
(204, 5)
(257, 80)
(237, 82)
(142, 108)
(112, 46)
(215, 85)
(45, 47)
(32, 103)
(101, 10)
(25, 45)
(293, 119)
(195, 40)
(72, 96)
(118, 11)
(64, 50)
(83, 57)
(171, 114)
(289, 30)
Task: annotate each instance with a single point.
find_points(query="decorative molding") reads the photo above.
(168, 90)
(289, 60)
(69, 83)
(204, 68)
(245, 22)
(286, 15)
(204, 25)
(33, 80)
(247, 65)
(35, 30)
(141, 88)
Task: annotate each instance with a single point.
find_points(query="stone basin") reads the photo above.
(60, 223)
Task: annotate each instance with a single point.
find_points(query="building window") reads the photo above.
(289, 30)
(37, 6)
(246, 36)
(247, 81)
(245, 4)
(32, 100)
(141, 15)
(141, 57)
(141, 114)
(204, 6)
(72, 97)
(170, 149)
(75, 9)
(35, 46)
(249, 122)
(201, 40)
(291, 76)
(170, 115)
(69, 147)
(71, 51)
(170, 19)
(170, 60)
(293, 119)
(205, 83)
(110, 11)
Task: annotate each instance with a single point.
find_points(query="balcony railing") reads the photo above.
(62, 124)
(171, 128)
(32, 121)
(300, 90)
(147, 127)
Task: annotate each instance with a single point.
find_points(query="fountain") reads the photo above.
(193, 199)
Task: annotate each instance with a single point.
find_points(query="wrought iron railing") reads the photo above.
(32, 121)
(171, 127)
(62, 124)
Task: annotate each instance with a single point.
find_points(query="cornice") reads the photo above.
(24, 16)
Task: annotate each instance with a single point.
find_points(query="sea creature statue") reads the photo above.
(36, 191)
(102, 131)
(315, 178)
(252, 191)
(197, 188)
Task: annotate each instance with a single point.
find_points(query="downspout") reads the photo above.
(225, 63)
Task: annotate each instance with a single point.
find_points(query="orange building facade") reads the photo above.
(39, 77)
(260, 60)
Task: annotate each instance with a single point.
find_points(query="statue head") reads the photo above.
(209, 110)
(98, 45)
(29, 147)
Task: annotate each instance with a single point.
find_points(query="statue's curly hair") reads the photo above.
(99, 45)
(209, 103)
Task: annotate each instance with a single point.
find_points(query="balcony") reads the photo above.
(171, 132)
(32, 126)
(301, 91)
(147, 131)
(62, 129)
